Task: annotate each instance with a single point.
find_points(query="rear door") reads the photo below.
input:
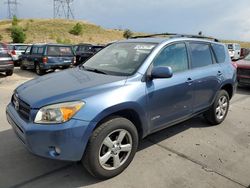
(31, 57)
(206, 73)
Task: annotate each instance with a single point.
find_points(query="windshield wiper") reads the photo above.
(93, 70)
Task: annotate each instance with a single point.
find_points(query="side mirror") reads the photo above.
(161, 72)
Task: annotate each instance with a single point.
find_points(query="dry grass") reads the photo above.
(242, 44)
(50, 30)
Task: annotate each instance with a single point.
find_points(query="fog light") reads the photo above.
(54, 151)
(58, 150)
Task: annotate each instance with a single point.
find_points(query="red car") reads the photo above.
(243, 70)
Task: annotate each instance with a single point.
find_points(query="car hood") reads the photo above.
(243, 63)
(69, 85)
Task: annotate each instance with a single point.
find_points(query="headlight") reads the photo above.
(58, 113)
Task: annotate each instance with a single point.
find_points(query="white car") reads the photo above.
(16, 51)
(234, 50)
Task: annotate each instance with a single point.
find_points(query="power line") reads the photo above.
(63, 9)
(12, 8)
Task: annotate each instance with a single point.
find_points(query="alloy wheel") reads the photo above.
(115, 149)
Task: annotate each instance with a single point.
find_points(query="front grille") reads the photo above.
(243, 72)
(21, 107)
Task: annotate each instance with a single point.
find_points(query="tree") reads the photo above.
(1, 37)
(14, 21)
(127, 33)
(77, 29)
(17, 34)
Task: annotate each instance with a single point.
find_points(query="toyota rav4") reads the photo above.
(97, 112)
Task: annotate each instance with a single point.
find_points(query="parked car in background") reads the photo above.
(6, 62)
(97, 112)
(244, 52)
(44, 57)
(243, 70)
(234, 50)
(85, 51)
(16, 51)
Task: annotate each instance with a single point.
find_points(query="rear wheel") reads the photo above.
(111, 148)
(38, 69)
(218, 111)
(66, 67)
(9, 72)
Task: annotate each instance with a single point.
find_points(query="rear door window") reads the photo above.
(219, 51)
(59, 51)
(40, 50)
(200, 54)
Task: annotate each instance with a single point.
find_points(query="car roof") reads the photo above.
(19, 44)
(51, 44)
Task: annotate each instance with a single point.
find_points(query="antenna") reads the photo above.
(63, 9)
(12, 8)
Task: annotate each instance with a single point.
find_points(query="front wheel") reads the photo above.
(218, 111)
(111, 148)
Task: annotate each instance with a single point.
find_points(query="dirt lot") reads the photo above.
(190, 154)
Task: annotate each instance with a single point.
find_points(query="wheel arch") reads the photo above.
(136, 115)
(228, 88)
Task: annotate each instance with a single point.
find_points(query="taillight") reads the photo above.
(13, 52)
(11, 62)
(45, 59)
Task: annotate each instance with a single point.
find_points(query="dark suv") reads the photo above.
(85, 51)
(43, 57)
(97, 112)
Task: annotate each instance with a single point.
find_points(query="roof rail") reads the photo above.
(176, 35)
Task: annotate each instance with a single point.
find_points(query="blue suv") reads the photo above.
(97, 112)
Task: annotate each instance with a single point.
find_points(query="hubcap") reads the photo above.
(115, 149)
(221, 108)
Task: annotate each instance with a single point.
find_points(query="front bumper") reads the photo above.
(70, 138)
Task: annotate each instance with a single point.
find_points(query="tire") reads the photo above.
(9, 72)
(218, 111)
(97, 149)
(66, 67)
(38, 69)
(22, 67)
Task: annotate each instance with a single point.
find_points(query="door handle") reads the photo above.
(189, 81)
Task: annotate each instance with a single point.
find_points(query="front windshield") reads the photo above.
(121, 59)
(247, 57)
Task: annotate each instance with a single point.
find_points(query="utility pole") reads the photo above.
(12, 8)
(63, 9)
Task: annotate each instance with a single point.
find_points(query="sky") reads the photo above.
(223, 19)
